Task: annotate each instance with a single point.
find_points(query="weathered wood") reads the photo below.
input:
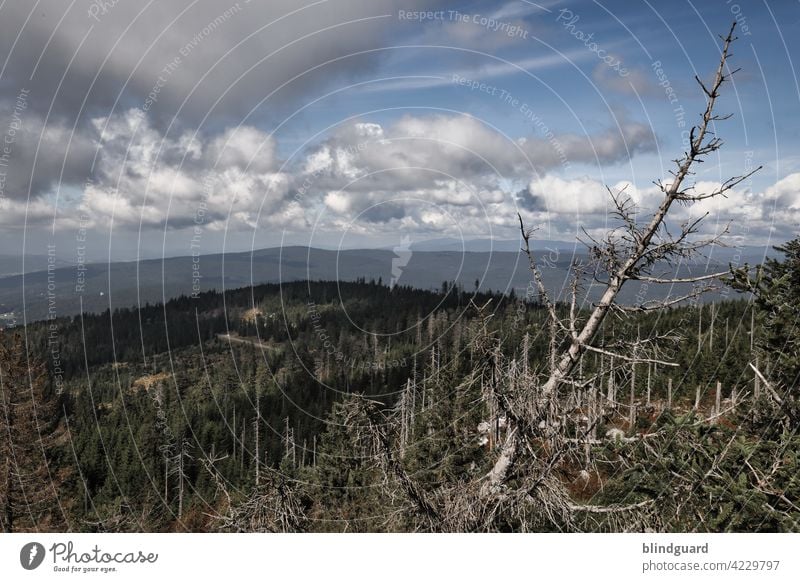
(625, 269)
(756, 380)
(669, 394)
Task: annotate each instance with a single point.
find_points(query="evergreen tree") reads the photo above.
(28, 432)
(777, 293)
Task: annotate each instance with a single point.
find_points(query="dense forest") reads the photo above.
(258, 409)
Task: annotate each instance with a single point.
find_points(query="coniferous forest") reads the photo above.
(290, 408)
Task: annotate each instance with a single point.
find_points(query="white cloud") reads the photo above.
(436, 175)
(552, 194)
(338, 202)
(751, 217)
(785, 193)
(423, 151)
(451, 174)
(145, 177)
(243, 148)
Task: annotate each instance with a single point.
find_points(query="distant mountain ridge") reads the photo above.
(483, 245)
(28, 263)
(125, 284)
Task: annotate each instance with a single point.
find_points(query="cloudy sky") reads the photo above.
(162, 128)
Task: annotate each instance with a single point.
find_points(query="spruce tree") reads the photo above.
(778, 297)
(28, 434)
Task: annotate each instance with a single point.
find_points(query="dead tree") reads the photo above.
(178, 469)
(257, 439)
(276, 503)
(523, 485)
(630, 252)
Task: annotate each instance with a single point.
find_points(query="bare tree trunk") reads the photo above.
(241, 448)
(525, 353)
(257, 437)
(669, 394)
(756, 382)
(711, 329)
(8, 509)
(699, 327)
(612, 391)
(180, 483)
(727, 339)
(631, 256)
(632, 403)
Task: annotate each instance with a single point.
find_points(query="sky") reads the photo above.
(147, 129)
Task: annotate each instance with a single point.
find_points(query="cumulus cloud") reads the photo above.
(418, 173)
(244, 148)
(182, 62)
(16, 215)
(552, 194)
(143, 177)
(440, 151)
(751, 217)
(785, 194)
(453, 172)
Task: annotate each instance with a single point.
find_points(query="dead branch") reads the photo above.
(642, 253)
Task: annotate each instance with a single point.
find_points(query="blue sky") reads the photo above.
(358, 123)
(563, 86)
